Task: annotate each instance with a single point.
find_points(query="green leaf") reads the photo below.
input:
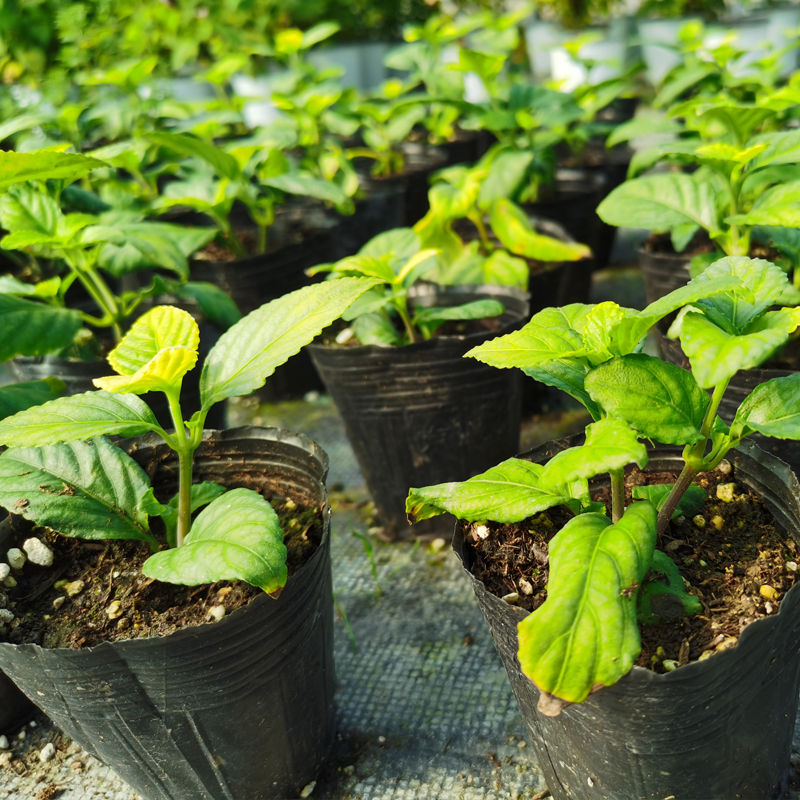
(626, 334)
(378, 329)
(319, 32)
(214, 304)
(656, 594)
(692, 502)
(33, 329)
(92, 490)
(399, 243)
(308, 186)
(201, 494)
(513, 228)
(249, 352)
(19, 396)
(159, 328)
(782, 147)
(431, 318)
(506, 173)
(548, 336)
(28, 209)
(569, 376)
(503, 269)
(659, 400)
(736, 309)
(610, 445)
(78, 417)
(779, 205)
(586, 632)
(772, 409)
(509, 492)
(660, 202)
(678, 150)
(641, 126)
(43, 165)
(237, 537)
(716, 355)
(221, 162)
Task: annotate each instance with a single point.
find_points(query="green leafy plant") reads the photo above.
(503, 235)
(55, 250)
(396, 260)
(744, 178)
(593, 352)
(63, 443)
(255, 175)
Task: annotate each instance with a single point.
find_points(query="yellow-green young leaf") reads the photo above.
(80, 416)
(586, 632)
(237, 537)
(716, 355)
(610, 445)
(503, 269)
(548, 336)
(509, 492)
(42, 165)
(248, 352)
(163, 373)
(719, 151)
(773, 409)
(660, 400)
(92, 490)
(159, 328)
(513, 228)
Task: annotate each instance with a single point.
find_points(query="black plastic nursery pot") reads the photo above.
(423, 414)
(421, 161)
(715, 729)
(663, 272)
(383, 209)
(241, 708)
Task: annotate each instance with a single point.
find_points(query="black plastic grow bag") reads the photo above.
(663, 272)
(242, 708)
(422, 414)
(716, 729)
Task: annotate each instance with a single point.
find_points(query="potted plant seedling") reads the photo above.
(598, 571)
(61, 473)
(405, 342)
(487, 240)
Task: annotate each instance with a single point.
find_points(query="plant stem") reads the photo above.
(678, 490)
(617, 494)
(107, 300)
(185, 452)
(402, 309)
(262, 239)
(477, 221)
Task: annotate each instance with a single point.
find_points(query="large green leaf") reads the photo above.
(610, 445)
(26, 208)
(400, 243)
(772, 408)
(33, 329)
(659, 400)
(308, 186)
(237, 537)
(42, 165)
(201, 494)
(513, 228)
(716, 355)
(503, 269)
(660, 202)
(509, 492)
(159, 328)
(19, 396)
(569, 376)
(92, 490)
(81, 416)
(586, 632)
(506, 173)
(223, 163)
(431, 318)
(783, 147)
(549, 335)
(641, 126)
(779, 205)
(247, 353)
(626, 334)
(643, 160)
(763, 282)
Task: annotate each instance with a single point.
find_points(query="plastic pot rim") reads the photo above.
(266, 434)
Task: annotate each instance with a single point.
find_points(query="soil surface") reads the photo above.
(736, 561)
(95, 592)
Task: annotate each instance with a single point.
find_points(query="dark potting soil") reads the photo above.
(116, 602)
(739, 565)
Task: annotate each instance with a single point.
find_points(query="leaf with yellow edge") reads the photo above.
(163, 373)
(159, 328)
